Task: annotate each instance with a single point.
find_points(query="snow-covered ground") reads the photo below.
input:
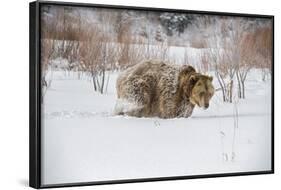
(84, 141)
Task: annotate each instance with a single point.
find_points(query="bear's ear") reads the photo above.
(187, 69)
(211, 78)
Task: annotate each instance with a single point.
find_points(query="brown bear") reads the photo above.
(157, 89)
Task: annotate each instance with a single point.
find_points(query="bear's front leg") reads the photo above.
(167, 109)
(185, 110)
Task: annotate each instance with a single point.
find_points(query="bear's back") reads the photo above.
(153, 67)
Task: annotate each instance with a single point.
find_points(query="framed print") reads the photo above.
(131, 94)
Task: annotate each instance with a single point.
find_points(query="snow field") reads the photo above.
(84, 141)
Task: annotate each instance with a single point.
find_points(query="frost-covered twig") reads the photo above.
(224, 154)
(235, 128)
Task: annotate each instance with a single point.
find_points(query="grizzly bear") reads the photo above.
(158, 89)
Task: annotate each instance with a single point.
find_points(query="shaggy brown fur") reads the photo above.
(164, 90)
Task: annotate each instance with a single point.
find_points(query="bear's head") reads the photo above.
(198, 88)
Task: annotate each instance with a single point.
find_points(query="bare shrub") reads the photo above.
(129, 53)
(248, 60)
(217, 61)
(227, 54)
(65, 24)
(263, 39)
(97, 56)
(256, 51)
(47, 51)
(157, 51)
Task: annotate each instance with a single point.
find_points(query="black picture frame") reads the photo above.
(35, 94)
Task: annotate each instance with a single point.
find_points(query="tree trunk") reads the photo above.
(222, 87)
(94, 82)
(98, 84)
(230, 91)
(243, 79)
(263, 75)
(243, 88)
(107, 81)
(239, 85)
(102, 81)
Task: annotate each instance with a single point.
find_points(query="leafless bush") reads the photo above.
(158, 51)
(247, 62)
(111, 41)
(263, 37)
(255, 52)
(229, 57)
(47, 51)
(217, 60)
(129, 53)
(97, 56)
(65, 24)
(64, 29)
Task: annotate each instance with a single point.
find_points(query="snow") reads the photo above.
(82, 139)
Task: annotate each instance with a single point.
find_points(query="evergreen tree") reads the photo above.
(175, 22)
